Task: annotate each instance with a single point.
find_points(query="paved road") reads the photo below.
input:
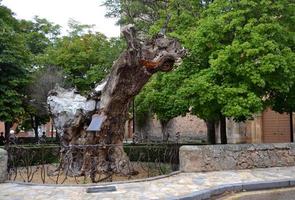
(173, 187)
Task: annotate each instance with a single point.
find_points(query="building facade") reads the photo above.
(267, 127)
(47, 128)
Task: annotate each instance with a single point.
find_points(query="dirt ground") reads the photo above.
(40, 174)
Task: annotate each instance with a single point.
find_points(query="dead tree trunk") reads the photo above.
(129, 74)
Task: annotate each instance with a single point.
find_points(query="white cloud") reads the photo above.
(60, 11)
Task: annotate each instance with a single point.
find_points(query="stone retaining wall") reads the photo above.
(183, 129)
(235, 156)
(3, 165)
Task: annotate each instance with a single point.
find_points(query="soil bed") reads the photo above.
(40, 174)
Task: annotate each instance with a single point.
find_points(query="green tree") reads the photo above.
(151, 17)
(78, 29)
(241, 60)
(14, 66)
(85, 58)
(141, 13)
(35, 103)
(39, 33)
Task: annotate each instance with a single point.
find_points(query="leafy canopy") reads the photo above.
(14, 66)
(241, 59)
(85, 58)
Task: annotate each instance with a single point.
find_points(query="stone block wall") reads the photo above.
(3, 165)
(183, 129)
(187, 128)
(236, 156)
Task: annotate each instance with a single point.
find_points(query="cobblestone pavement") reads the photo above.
(171, 187)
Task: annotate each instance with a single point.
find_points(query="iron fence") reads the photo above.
(82, 164)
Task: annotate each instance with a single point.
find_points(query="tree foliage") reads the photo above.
(85, 57)
(39, 33)
(14, 66)
(141, 13)
(241, 59)
(42, 81)
(28, 52)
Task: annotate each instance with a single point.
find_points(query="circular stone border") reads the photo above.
(96, 184)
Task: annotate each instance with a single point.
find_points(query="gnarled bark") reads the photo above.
(129, 74)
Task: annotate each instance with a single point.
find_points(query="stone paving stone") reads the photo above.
(179, 186)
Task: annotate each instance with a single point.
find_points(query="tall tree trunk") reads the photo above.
(131, 71)
(129, 74)
(223, 136)
(211, 135)
(165, 132)
(52, 127)
(291, 127)
(57, 138)
(7, 126)
(34, 123)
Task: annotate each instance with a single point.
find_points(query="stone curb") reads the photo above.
(262, 185)
(237, 187)
(97, 184)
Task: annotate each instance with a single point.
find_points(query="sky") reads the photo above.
(60, 11)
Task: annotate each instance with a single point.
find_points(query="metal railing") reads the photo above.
(82, 164)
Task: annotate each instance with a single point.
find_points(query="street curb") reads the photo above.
(262, 185)
(236, 187)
